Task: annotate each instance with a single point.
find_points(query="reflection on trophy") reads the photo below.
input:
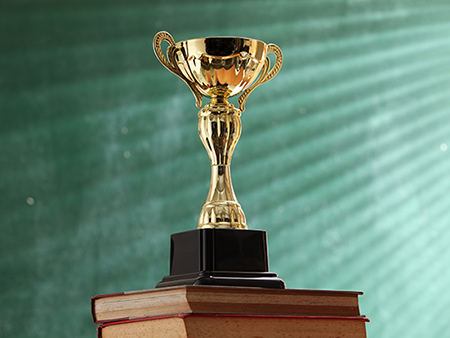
(217, 252)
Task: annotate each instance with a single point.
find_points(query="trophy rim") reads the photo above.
(182, 43)
(222, 37)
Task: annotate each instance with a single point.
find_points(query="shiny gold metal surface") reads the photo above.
(219, 68)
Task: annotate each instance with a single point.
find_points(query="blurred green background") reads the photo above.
(343, 158)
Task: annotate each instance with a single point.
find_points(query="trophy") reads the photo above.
(222, 250)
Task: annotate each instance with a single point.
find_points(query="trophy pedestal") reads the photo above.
(220, 257)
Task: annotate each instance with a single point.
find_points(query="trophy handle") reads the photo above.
(265, 75)
(170, 62)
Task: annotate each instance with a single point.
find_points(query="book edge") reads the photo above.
(185, 315)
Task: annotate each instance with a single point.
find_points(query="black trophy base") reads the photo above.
(226, 257)
(224, 278)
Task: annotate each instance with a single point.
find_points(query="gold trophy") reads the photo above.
(218, 252)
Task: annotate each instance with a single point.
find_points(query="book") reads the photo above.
(191, 299)
(236, 326)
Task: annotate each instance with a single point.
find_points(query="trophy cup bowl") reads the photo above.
(219, 68)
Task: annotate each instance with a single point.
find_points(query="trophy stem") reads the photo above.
(219, 129)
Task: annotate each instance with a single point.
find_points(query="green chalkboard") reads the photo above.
(343, 157)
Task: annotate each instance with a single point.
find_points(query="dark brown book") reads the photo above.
(236, 326)
(223, 300)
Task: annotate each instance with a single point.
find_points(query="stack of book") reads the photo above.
(222, 312)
